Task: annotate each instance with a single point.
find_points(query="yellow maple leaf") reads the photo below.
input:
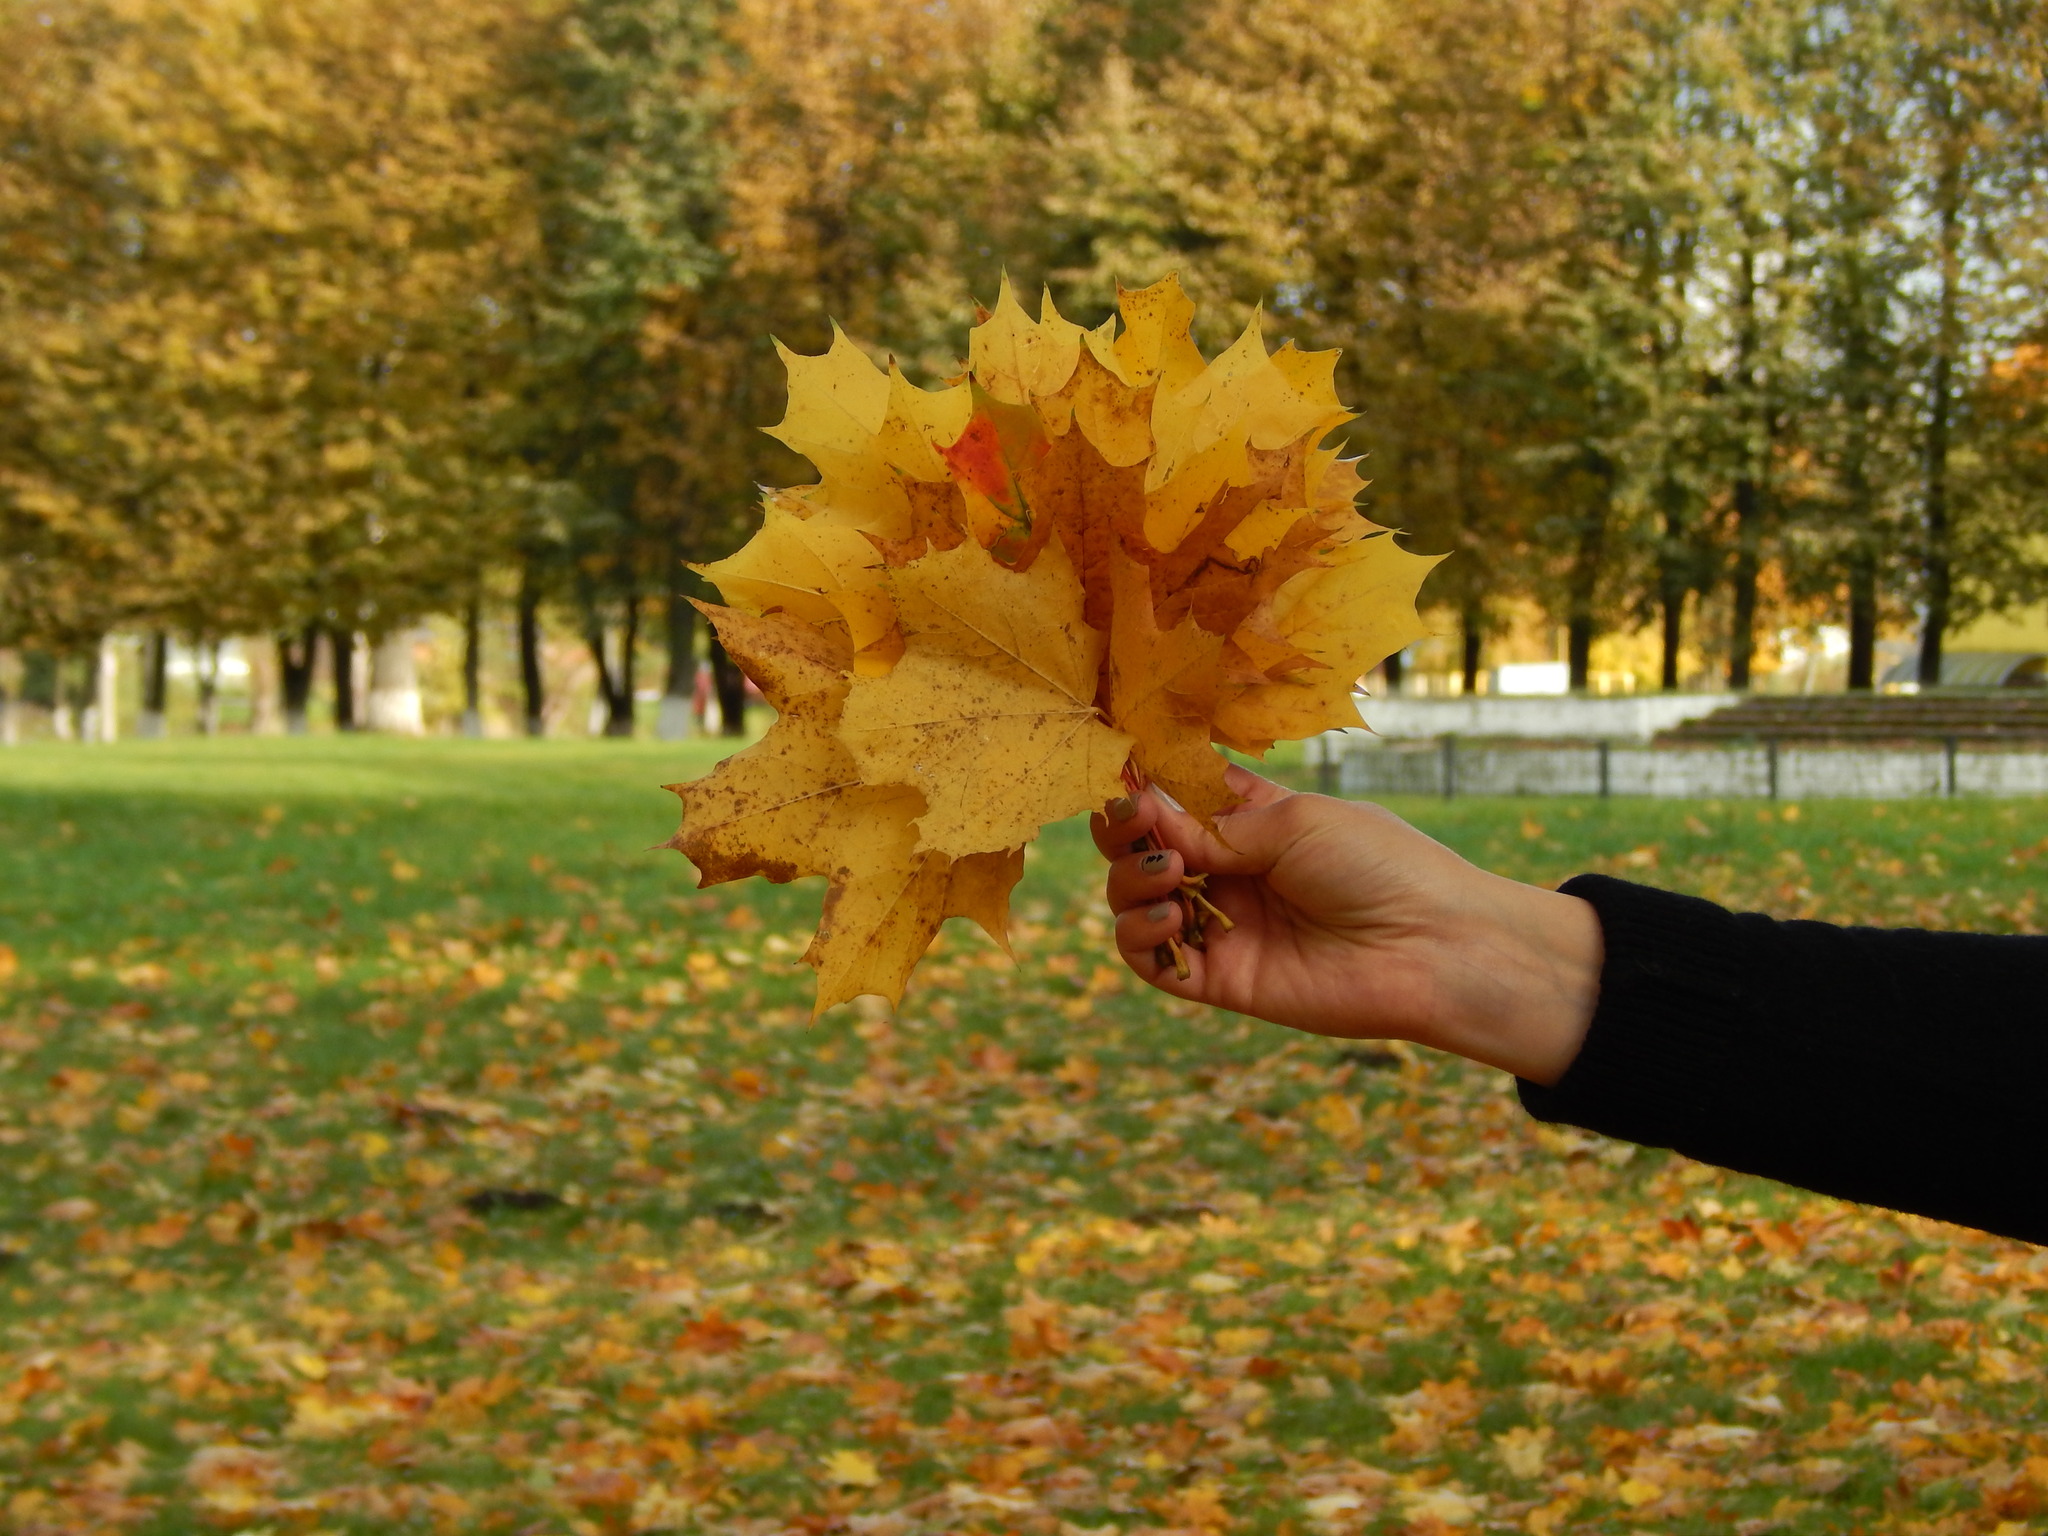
(1097, 554)
(991, 712)
(880, 916)
(794, 804)
(818, 569)
(789, 804)
(1017, 359)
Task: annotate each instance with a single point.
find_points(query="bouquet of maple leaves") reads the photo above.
(1062, 577)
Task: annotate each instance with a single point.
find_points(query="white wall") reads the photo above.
(1370, 767)
(1635, 717)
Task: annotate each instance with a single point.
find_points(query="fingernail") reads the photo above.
(1123, 808)
(1152, 863)
(1159, 913)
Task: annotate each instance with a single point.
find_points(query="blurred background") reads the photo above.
(368, 365)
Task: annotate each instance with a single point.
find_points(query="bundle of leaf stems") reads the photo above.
(1193, 902)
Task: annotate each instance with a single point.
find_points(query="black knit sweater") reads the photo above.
(1897, 1067)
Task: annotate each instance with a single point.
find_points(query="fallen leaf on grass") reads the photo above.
(851, 1469)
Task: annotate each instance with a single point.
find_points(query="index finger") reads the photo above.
(1123, 822)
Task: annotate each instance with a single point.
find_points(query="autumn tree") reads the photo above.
(1979, 134)
(252, 334)
(631, 201)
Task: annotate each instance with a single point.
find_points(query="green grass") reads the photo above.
(275, 1012)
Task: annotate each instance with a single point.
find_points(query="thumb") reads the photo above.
(1257, 833)
(1251, 790)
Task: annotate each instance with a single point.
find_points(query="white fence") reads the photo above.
(1364, 765)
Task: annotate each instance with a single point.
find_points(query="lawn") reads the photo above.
(395, 1141)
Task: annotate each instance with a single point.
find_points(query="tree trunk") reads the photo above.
(530, 679)
(295, 676)
(1673, 617)
(1583, 585)
(156, 669)
(207, 672)
(615, 683)
(1862, 618)
(342, 647)
(473, 666)
(63, 719)
(394, 705)
(1579, 652)
(1749, 491)
(1748, 562)
(1473, 625)
(1391, 670)
(621, 703)
(1673, 581)
(77, 682)
(106, 691)
(731, 684)
(1936, 562)
(679, 687)
(1862, 559)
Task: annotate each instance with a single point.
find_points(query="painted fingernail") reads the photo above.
(1159, 913)
(1123, 808)
(1152, 863)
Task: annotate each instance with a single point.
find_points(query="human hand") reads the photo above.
(1349, 922)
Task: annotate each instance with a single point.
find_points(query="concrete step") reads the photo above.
(2002, 717)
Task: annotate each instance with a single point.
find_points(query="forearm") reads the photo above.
(1897, 1068)
(1517, 977)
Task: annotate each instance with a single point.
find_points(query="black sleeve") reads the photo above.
(1896, 1067)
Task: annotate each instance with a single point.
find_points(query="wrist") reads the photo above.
(1517, 977)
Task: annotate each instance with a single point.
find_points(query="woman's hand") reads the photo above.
(1349, 922)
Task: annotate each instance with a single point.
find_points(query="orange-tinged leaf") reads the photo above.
(786, 658)
(712, 1334)
(1164, 687)
(979, 890)
(1348, 618)
(1097, 508)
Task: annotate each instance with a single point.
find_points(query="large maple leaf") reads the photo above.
(1075, 568)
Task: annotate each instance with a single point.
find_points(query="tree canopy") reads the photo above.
(1680, 316)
